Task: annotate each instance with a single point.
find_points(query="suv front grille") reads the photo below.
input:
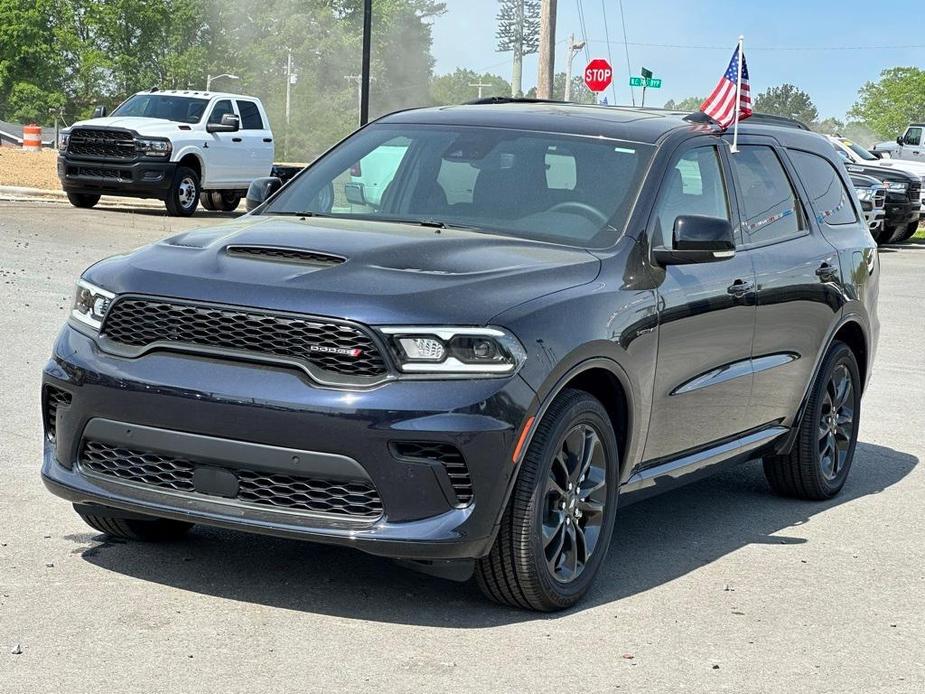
(286, 255)
(353, 498)
(54, 398)
(445, 454)
(101, 143)
(331, 347)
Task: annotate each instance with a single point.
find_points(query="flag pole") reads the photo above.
(738, 106)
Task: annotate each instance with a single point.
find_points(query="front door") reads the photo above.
(703, 378)
(912, 144)
(223, 165)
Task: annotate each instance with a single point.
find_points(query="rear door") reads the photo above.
(257, 156)
(797, 269)
(703, 378)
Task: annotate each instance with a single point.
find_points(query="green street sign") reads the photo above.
(646, 73)
(652, 82)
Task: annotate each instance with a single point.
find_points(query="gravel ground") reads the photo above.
(718, 587)
(28, 169)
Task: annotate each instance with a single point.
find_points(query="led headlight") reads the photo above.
(90, 304)
(153, 146)
(898, 186)
(865, 194)
(451, 350)
(63, 138)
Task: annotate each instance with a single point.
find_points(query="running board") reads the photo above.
(674, 473)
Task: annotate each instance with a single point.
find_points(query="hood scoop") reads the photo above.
(285, 255)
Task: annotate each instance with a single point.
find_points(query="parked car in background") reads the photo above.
(904, 181)
(550, 307)
(909, 145)
(872, 194)
(884, 150)
(183, 147)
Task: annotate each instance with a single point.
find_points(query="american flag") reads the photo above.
(721, 104)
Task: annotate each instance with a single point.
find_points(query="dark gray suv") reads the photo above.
(544, 311)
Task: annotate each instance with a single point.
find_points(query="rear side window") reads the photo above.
(830, 199)
(772, 212)
(221, 108)
(250, 116)
(694, 186)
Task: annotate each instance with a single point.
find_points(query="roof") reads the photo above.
(200, 93)
(618, 122)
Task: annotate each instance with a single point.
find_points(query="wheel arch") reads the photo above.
(193, 161)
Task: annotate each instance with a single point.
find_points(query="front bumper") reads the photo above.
(136, 178)
(223, 414)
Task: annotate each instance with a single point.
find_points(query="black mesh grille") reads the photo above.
(346, 498)
(286, 255)
(340, 349)
(445, 454)
(105, 144)
(94, 172)
(54, 398)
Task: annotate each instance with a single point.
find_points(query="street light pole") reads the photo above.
(573, 49)
(210, 78)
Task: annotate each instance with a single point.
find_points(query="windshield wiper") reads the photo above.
(306, 213)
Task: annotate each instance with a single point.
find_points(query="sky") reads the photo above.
(829, 49)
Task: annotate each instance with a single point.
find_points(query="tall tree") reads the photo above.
(889, 105)
(690, 103)
(580, 92)
(788, 101)
(518, 32)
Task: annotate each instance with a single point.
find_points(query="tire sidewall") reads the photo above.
(174, 205)
(585, 411)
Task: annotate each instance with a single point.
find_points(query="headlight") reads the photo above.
(153, 147)
(865, 194)
(90, 304)
(450, 350)
(898, 186)
(63, 138)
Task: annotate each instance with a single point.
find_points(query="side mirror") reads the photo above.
(230, 124)
(100, 112)
(355, 194)
(260, 191)
(698, 239)
(900, 141)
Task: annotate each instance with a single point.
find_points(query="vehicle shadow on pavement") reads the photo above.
(656, 541)
(161, 212)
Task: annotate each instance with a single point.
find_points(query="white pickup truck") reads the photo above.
(183, 147)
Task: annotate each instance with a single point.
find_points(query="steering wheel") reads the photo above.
(584, 209)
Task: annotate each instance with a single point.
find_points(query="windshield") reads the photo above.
(182, 109)
(533, 185)
(860, 151)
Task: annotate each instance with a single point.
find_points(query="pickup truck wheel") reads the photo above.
(817, 466)
(883, 234)
(225, 201)
(85, 200)
(558, 523)
(205, 199)
(905, 234)
(183, 198)
(154, 530)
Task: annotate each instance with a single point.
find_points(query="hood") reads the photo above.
(143, 126)
(916, 168)
(380, 273)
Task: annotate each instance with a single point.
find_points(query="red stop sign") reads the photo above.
(598, 75)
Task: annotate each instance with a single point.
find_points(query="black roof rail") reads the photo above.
(780, 121)
(512, 100)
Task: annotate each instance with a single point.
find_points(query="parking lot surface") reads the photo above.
(719, 586)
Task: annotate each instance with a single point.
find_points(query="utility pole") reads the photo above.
(573, 49)
(289, 77)
(547, 62)
(480, 85)
(364, 69)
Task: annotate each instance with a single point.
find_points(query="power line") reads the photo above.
(584, 29)
(766, 48)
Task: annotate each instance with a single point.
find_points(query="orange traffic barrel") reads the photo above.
(32, 138)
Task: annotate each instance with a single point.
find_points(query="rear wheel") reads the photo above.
(225, 201)
(558, 523)
(205, 199)
(85, 200)
(154, 530)
(818, 465)
(183, 197)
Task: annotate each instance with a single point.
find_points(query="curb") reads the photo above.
(21, 193)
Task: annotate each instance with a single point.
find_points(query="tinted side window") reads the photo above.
(770, 205)
(250, 116)
(913, 136)
(831, 201)
(221, 108)
(694, 185)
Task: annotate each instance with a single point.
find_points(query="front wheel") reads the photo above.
(817, 466)
(84, 200)
(905, 234)
(558, 523)
(183, 197)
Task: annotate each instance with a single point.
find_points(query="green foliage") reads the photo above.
(691, 104)
(456, 87)
(829, 126)
(788, 101)
(519, 26)
(889, 105)
(580, 92)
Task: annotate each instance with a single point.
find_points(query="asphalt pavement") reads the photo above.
(717, 587)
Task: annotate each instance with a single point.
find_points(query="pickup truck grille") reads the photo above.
(328, 346)
(101, 143)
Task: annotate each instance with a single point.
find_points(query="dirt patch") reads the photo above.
(28, 169)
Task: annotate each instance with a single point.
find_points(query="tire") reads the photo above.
(903, 235)
(84, 200)
(225, 201)
(806, 472)
(518, 571)
(205, 199)
(154, 530)
(183, 198)
(883, 234)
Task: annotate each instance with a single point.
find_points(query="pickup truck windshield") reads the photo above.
(534, 185)
(860, 151)
(182, 109)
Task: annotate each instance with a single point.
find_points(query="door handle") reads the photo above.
(740, 287)
(826, 272)
(236, 139)
(268, 139)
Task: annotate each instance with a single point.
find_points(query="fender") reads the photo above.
(786, 444)
(196, 151)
